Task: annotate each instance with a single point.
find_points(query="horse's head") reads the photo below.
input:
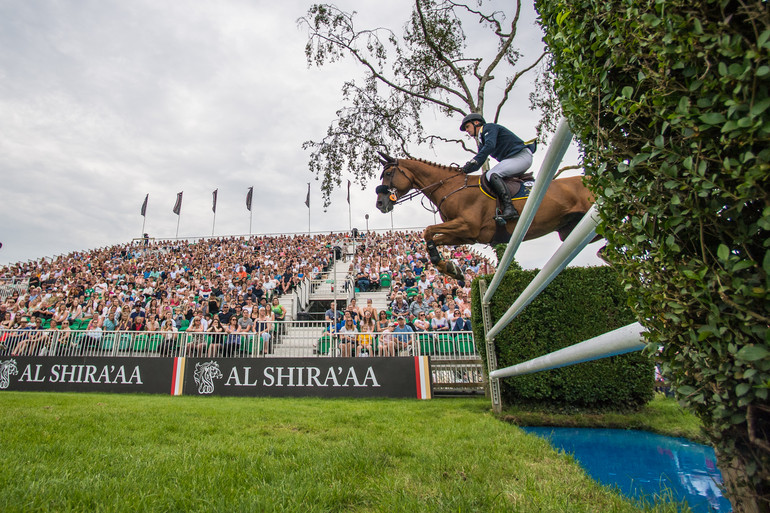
(395, 183)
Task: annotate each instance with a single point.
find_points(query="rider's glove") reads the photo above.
(470, 166)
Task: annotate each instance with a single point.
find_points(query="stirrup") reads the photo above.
(502, 220)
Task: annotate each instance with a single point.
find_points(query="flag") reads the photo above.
(214, 206)
(248, 198)
(178, 204)
(144, 205)
(307, 200)
(348, 192)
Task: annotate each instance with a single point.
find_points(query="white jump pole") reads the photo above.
(620, 341)
(554, 155)
(569, 249)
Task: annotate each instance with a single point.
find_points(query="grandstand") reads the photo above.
(205, 297)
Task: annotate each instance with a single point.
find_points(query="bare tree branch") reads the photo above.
(512, 82)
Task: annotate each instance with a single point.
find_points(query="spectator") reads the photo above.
(262, 329)
(347, 335)
(400, 339)
(439, 321)
(368, 328)
(421, 323)
(217, 334)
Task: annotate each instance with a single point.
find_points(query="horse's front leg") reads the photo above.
(455, 231)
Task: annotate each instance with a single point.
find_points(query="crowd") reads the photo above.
(225, 287)
(420, 298)
(162, 286)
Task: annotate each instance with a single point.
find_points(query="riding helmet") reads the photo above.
(471, 117)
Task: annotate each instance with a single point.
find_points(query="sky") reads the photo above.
(105, 101)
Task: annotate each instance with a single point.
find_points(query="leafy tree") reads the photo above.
(671, 103)
(425, 69)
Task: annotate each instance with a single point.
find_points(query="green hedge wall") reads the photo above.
(670, 101)
(579, 304)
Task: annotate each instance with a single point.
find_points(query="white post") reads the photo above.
(577, 240)
(620, 341)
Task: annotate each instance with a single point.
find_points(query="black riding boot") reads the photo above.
(509, 212)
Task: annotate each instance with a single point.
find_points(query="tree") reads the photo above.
(425, 69)
(671, 103)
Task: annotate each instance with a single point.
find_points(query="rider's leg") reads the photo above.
(513, 166)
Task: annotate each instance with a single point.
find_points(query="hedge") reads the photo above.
(670, 101)
(579, 304)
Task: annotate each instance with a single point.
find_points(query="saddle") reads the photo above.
(518, 186)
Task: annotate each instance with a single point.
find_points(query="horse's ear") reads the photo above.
(385, 158)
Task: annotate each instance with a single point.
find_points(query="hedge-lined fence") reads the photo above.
(579, 304)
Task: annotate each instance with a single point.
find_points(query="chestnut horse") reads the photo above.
(468, 214)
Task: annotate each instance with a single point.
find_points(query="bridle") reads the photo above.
(426, 191)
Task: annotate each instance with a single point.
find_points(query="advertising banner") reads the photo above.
(89, 374)
(315, 377)
(407, 377)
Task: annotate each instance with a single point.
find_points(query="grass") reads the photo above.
(99, 452)
(662, 415)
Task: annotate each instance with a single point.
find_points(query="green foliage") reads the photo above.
(579, 304)
(670, 101)
(500, 251)
(423, 71)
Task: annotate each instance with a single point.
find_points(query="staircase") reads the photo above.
(299, 338)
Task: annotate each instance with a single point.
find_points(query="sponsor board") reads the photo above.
(316, 377)
(407, 377)
(91, 374)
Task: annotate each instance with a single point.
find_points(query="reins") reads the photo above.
(428, 189)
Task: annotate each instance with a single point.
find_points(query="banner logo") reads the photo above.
(7, 369)
(205, 374)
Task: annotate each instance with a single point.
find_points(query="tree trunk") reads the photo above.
(748, 494)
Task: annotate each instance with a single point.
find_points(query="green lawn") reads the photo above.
(98, 452)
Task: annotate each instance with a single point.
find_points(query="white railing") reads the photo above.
(620, 341)
(289, 339)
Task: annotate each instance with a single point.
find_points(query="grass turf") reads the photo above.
(99, 452)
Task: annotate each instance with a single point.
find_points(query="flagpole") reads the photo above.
(350, 215)
(249, 196)
(143, 211)
(214, 209)
(178, 211)
(307, 204)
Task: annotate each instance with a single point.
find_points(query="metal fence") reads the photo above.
(455, 361)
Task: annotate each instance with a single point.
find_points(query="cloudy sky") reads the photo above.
(105, 101)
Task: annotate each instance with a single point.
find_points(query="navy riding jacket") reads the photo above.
(499, 143)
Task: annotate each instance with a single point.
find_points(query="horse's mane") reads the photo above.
(441, 166)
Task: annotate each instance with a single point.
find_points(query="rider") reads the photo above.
(513, 156)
